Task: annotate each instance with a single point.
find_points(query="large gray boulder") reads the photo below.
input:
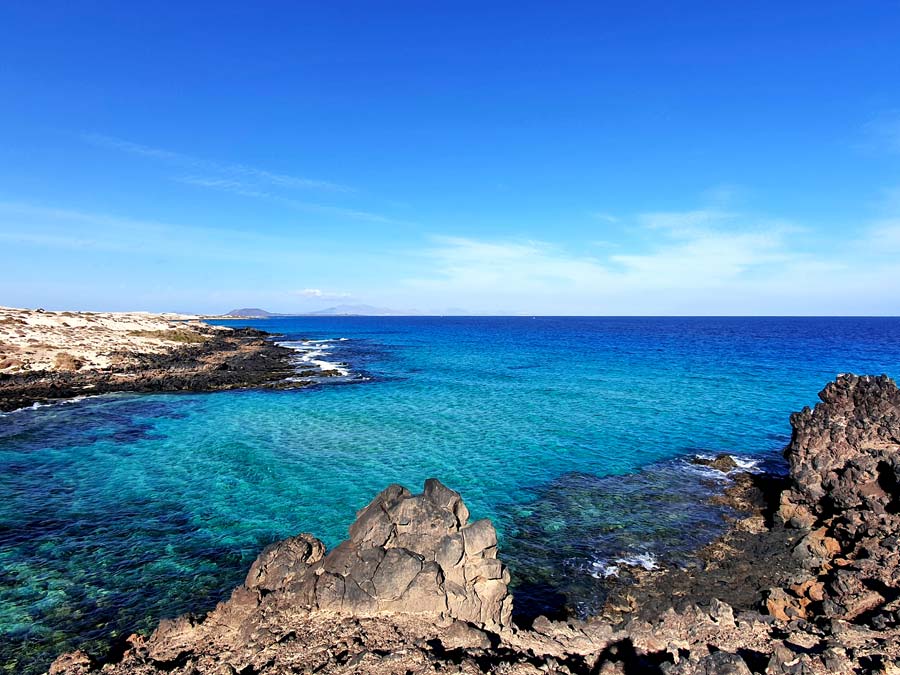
(410, 554)
(414, 554)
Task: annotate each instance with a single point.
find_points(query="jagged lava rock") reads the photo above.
(722, 462)
(415, 554)
(844, 458)
(844, 453)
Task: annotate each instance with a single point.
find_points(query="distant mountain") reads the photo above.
(359, 310)
(250, 312)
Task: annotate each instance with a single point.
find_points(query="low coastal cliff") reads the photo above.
(47, 356)
(417, 588)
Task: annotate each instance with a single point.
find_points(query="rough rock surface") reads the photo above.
(409, 554)
(407, 593)
(220, 359)
(845, 500)
(722, 462)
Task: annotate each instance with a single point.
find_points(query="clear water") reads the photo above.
(116, 511)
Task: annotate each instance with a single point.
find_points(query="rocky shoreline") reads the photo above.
(805, 582)
(213, 360)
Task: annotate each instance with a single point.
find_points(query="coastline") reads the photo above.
(47, 357)
(811, 567)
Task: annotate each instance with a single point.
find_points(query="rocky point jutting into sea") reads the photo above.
(418, 588)
(46, 356)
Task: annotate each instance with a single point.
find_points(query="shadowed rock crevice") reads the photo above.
(888, 481)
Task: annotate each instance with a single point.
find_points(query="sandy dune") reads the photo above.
(39, 340)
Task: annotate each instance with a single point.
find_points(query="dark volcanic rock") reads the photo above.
(729, 569)
(845, 465)
(242, 357)
(844, 453)
(722, 462)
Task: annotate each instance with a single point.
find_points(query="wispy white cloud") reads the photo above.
(883, 237)
(238, 188)
(703, 260)
(319, 294)
(213, 166)
(684, 222)
(241, 179)
(883, 132)
(700, 261)
(75, 230)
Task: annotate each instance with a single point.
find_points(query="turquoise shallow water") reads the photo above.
(569, 433)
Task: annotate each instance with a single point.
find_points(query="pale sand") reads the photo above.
(38, 340)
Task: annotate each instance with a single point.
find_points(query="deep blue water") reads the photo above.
(570, 433)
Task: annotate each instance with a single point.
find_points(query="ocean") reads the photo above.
(574, 435)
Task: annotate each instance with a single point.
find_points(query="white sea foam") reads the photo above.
(747, 463)
(646, 560)
(744, 464)
(311, 353)
(33, 406)
(36, 405)
(603, 569)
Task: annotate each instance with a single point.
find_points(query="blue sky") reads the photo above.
(552, 158)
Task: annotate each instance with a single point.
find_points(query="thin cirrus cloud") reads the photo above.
(31, 225)
(238, 188)
(885, 237)
(223, 168)
(689, 254)
(883, 133)
(319, 294)
(702, 261)
(241, 179)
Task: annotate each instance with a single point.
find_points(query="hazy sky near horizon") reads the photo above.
(539, 158)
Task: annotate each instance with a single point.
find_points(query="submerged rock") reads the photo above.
(722, 462)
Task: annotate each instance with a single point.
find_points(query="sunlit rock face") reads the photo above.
(845, 493)
(414, 554)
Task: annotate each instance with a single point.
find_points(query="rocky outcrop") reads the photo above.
(844, 457)
(845, 500)
(410, 560)
(412, 554)
(219, 360)
(418, 589)
(722, 462)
